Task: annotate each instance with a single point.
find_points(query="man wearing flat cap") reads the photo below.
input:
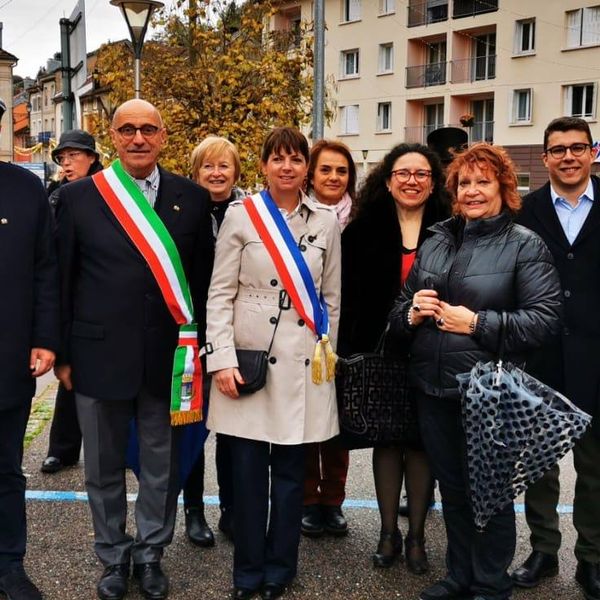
(77, 156)
(29, 326)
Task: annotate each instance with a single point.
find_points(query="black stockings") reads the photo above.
(390, 466)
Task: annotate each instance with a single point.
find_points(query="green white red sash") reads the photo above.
(150, 236)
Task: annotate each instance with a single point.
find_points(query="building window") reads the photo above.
(386, 58)
(349, 60)
(434, 118)
(525, 37)
(583, 27)
(523, 183)
(387, 7)
(350, 10)
(482, 129)
(580, 100)
(484, 64)
(521, 106)
(349, 119)
(384, 116)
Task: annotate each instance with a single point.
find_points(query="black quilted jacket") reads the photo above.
(489, 266)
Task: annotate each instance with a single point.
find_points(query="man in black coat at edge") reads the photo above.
(566, 214)
(29, 337)
(118, 344)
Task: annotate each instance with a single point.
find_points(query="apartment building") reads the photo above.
(405, 67)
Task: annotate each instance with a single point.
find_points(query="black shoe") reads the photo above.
(388, 549)
(197, 528)
(226, 523)
(416, 556)
(444, 589)
(113, 583)
(334, 520)
(537, 566)
(52, 464)
(154, 584)
(588, 577)
(17, 586)
(270, 591)
(313, 524)
(240, 593)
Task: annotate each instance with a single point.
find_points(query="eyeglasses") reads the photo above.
(561, 151)
(404, 175)
(70, 156)
(128, 131)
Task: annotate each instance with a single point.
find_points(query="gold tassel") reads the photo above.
(330, 358)
(185, 417)
(317, 366)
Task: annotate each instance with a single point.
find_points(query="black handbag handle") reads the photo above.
(284, 304)
(381, 342)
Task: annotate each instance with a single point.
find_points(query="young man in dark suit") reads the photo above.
(566, 214)
(29, 337)
(119, 338)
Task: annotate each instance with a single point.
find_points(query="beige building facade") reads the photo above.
(405, 67)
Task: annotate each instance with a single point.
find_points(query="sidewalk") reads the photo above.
(61, 560)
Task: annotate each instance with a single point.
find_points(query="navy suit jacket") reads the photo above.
(117, 332)
(29, 311)
(571, 363)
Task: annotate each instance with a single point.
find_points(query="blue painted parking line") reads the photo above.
(71, 496)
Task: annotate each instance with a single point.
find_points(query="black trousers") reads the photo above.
(477, 561)
(266, 545)
(65, 434)
(193, 491)
(13, 529)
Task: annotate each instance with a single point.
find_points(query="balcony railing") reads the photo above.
(479, 68)
(470, 8)
(418, 135)
(423, 12)
(426, 75)
(44, 137)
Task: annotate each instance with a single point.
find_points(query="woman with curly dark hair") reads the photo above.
(473, 268)
(399, 200)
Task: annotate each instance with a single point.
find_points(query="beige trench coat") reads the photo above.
(243, 300)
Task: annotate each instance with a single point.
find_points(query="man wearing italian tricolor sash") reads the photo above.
(136, 253)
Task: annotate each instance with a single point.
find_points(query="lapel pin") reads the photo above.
(176, 207)
(4, 221)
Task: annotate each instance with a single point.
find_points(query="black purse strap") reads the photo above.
(284, 304)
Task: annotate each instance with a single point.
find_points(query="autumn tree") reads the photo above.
(215, 69)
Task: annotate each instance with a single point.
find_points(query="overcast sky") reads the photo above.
(32, 33)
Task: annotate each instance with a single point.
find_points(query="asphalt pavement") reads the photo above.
(60, 557)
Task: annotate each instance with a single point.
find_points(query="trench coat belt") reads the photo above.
(258, 296)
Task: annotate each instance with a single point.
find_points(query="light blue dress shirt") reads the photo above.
(572, 217)
(149, 186)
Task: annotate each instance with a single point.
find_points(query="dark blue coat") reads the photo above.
(118, 334)
(29, 315)
(571, 361)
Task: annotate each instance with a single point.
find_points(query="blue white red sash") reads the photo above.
(294, 273)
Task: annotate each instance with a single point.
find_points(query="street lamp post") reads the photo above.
(137, 14)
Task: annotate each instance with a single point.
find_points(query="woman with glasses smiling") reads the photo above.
(400, 199)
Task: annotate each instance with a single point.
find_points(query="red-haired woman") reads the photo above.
(475, 266)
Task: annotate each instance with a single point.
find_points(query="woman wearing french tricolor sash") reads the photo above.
(276, 244)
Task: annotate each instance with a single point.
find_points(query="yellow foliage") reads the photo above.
(209, 78)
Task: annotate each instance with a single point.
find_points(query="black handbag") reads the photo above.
(375, 406)
(252, 364)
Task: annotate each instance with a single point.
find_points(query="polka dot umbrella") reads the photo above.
(516, 428)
